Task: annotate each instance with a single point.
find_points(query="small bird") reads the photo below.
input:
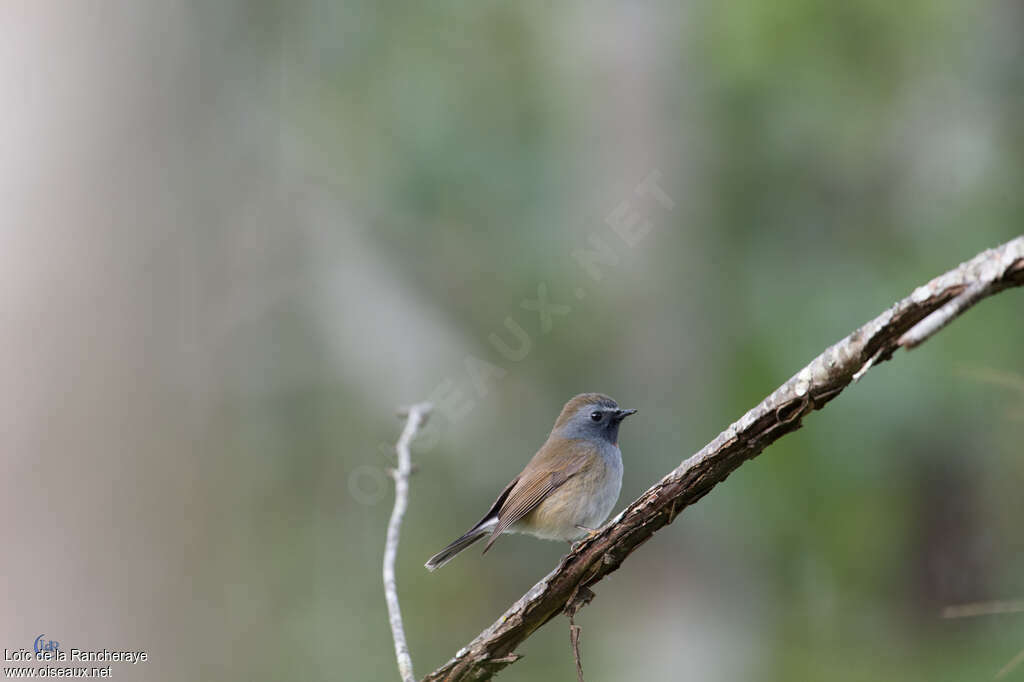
(567, 489)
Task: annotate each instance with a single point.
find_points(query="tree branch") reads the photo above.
(416, 417)
(906, 324)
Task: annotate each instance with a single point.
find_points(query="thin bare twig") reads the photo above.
(989, 608)
(944, 315)
(778, 414)
(983, 608)
(1008, 668)
(417, 415)
(580, 597)
(574, 640)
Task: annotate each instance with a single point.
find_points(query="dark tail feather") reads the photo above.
(445, 555)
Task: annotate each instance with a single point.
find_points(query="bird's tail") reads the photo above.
(472, 535)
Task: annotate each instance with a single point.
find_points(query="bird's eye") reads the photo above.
(596, 416)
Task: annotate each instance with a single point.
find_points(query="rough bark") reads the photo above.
(906, 324)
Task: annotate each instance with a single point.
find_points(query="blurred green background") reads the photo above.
(239, 235)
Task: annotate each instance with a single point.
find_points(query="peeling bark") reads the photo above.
(906, 324)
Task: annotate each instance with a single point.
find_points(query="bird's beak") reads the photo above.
(622, 414)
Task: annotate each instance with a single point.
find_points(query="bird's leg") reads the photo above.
(591, 532)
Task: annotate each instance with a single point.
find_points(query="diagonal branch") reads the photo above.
(905, 325)
(417, 415)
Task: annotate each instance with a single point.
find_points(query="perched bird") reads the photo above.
(569, 487)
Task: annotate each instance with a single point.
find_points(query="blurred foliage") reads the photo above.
(824, 159)
(368, 191)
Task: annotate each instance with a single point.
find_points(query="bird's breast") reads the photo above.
(585, 500)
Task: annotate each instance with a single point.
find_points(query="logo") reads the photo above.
(43, 644)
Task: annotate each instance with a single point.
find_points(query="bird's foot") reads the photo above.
(591, 532)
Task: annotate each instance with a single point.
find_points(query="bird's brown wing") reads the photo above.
(533, 485)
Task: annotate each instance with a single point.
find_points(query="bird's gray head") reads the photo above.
(591, 416)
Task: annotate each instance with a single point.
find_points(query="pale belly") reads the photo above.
(584, 501)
